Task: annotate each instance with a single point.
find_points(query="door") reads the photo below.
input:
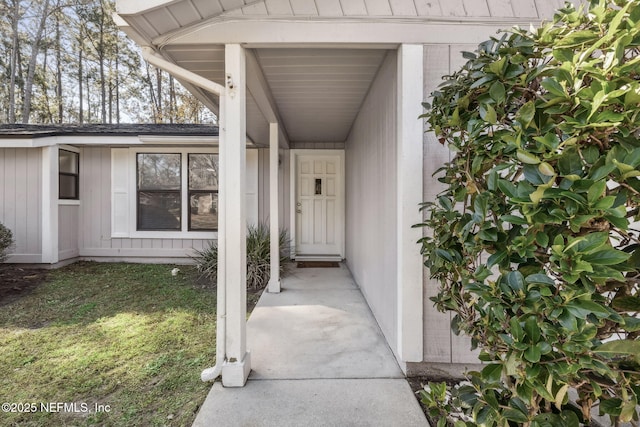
(319, 206)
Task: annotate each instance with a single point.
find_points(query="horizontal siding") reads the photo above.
(534, 9)
(21, 201)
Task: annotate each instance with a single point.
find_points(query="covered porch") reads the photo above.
(308, 93)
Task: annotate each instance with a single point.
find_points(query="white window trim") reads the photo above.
(184, 233)
(70, 202)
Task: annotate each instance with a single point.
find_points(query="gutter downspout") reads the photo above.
(209, 374)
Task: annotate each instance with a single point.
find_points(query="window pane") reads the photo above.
(158, 210)
(158, 171)
(203, 171)
(203, 210)
(68, 161)
(68, 187)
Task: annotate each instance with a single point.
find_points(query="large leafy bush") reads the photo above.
(6, 241)
(535, 240)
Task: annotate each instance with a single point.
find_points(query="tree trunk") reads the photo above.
(15, 16)
(35, 49)
(81, 100)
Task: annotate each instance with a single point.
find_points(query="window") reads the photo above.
(203, 192)
(159, 199)
(161, 189)
(68, 175)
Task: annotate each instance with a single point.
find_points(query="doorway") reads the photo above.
(318, 204)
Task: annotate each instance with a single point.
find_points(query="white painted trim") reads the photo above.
(178, 140)
(184, 232)
(274, 214)
(237, 364)
(111, 140)
(293, 175)
(254, 30)
(410, 176)
(68, 202)
(49, 184)
(259, 89)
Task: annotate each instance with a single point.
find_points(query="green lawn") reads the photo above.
(130, 338)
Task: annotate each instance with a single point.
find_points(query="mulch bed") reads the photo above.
(16, 281)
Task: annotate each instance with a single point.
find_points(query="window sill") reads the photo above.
(198, 235)
(68, 202)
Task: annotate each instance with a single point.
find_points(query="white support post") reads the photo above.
(274, 279)
(233, 183)
(409, 139)
(50, 166)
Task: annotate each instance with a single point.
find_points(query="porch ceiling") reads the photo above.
(317, 91)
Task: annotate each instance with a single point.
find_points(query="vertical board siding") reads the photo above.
(68, 228)
(371, 187)
(440, 344)
(264, 187)
(21, 201)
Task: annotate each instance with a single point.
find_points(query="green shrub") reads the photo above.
(535, 240)
(6, 241)
(258, 256)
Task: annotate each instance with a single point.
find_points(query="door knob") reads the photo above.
(299, 210)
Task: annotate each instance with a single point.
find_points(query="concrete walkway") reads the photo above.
(318, 359)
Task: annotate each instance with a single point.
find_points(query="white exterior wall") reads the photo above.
(21, 201)
(440, 344)
(68, 231)
(283, 188)
(95, 232)
(371, 209)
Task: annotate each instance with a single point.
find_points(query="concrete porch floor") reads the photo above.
(318, 359)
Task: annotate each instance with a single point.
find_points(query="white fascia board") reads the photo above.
(132, 7)
(340, 31)
(27, 142)
(130, 31)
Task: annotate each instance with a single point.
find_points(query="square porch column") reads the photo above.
(409, 139)
(274, 278)
(237, 365)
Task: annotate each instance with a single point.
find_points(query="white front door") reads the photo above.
(319, 204)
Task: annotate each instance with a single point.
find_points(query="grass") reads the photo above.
(129, 337)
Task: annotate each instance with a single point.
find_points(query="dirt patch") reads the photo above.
(16, 281)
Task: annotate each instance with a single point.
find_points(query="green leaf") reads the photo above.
(620, 348)
(444, 254)
(515, 415)
(492, 372)
(527, 158)
(512, 219)
(497, 92)
(526, 113)
(607, 257)
(626, 303)
(496, 258)
(488, 114)
(515, 280)
(596, 191)
(541, 279)
(570, 163)
(532, 330)
(553, 87)
(533, 354)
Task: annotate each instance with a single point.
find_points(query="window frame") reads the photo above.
(191, 192)
(155, 191)
(184, 232)
(69, 174)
